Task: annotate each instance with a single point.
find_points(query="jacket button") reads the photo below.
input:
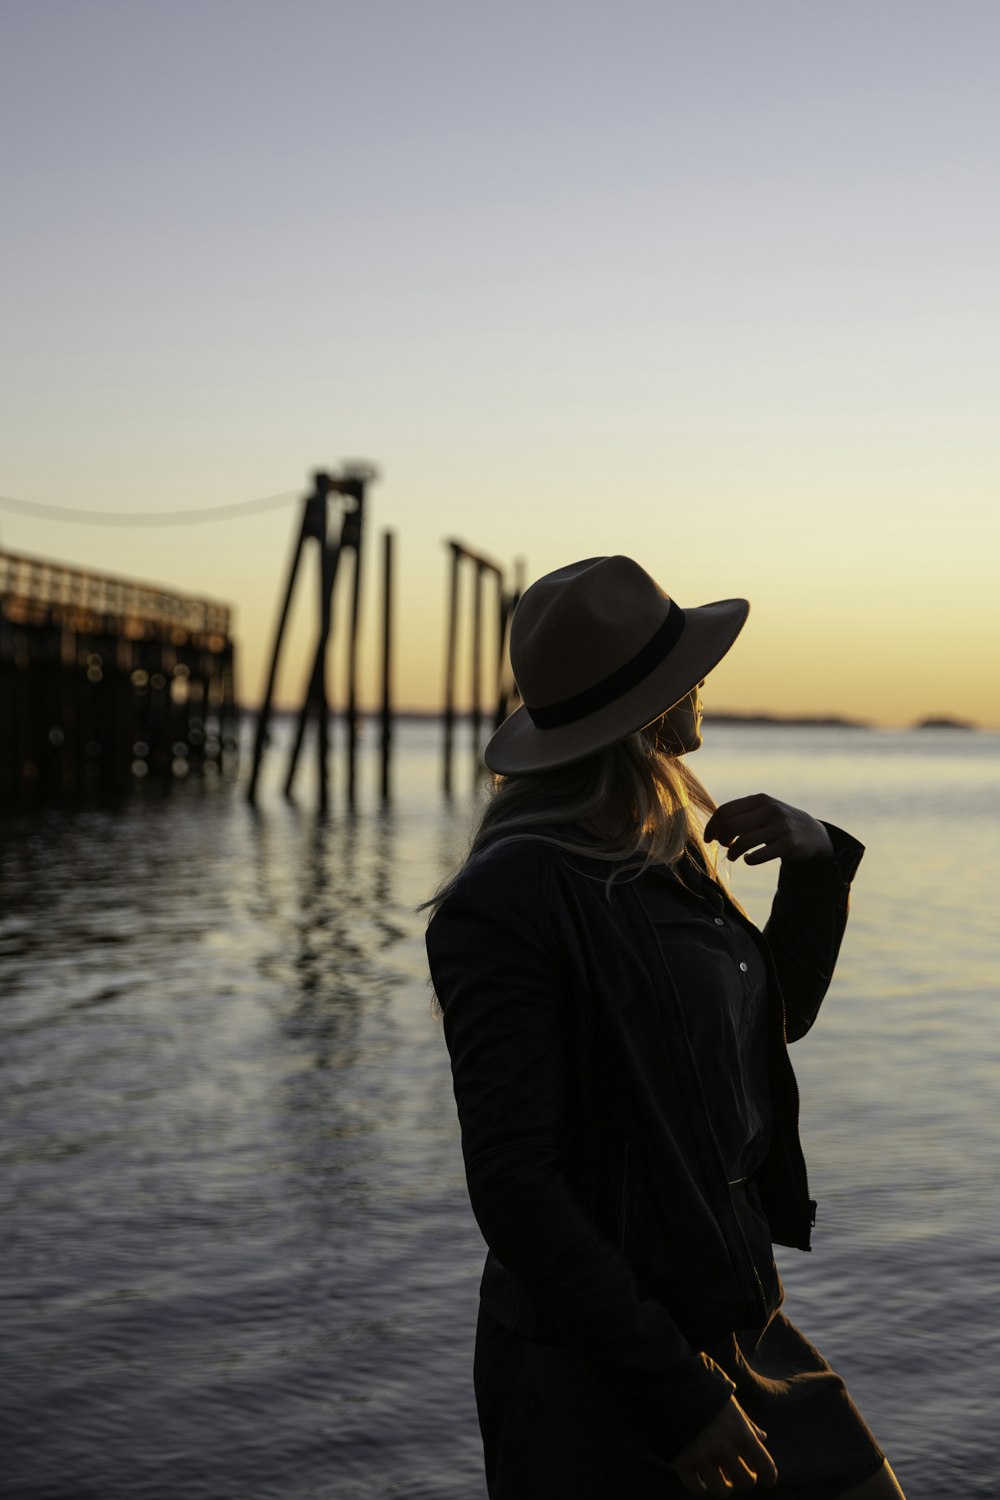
(744, 967)
(718, 922)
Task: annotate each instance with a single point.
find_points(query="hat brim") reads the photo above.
(518, 747)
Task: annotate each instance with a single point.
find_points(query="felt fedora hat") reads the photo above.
(599, 651)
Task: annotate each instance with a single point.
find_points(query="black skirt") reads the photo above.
(552, 1428)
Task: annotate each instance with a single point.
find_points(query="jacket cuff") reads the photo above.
(838, 869)
(674, 1413)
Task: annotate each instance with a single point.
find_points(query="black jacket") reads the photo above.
(592, 1167)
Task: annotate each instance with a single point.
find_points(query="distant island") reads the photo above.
(943, 721)
(783, 721)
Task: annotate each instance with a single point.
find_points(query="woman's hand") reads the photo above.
(761, 828)
(727, 1455)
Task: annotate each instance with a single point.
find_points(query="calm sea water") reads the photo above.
(238, 1259)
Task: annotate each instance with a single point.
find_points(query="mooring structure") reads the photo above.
(335, 542)
(105, 681)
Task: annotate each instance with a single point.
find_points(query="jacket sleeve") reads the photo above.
(506, 1007)
(806, 925)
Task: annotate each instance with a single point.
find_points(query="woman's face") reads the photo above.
(679, 730)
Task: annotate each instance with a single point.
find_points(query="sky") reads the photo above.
(712, 283)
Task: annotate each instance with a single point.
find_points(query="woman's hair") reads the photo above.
(631, 805)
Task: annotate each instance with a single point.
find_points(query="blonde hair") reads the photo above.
(634, 804)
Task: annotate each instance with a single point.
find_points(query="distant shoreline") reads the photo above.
(750, 720)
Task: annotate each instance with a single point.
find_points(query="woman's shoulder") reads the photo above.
(503, 884)
(518, 868)
(515, 858)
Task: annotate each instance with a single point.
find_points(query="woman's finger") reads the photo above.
(730, 817)
(692, 1481)
(763, 839)
(761, 856)
(754, 827)
(760, 1462)
(706, 1480)
(740, 1474)
(722, 1474)
(716, 1484)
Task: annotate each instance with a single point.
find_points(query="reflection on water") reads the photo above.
(238, 1256)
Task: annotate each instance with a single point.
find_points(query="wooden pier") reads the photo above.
(105, 681)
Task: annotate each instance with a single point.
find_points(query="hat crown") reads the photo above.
(579, 625)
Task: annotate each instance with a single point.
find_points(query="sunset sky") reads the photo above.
(710, 283)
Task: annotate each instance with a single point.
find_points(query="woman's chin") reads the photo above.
(690, 741)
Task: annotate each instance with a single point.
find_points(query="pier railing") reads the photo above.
(30, 584)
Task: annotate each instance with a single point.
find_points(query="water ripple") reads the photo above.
(238, 1258)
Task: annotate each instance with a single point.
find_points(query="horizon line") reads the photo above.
(754, 718)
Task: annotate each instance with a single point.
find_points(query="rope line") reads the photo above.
(149, 518)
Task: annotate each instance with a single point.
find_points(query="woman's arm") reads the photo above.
(809, 912)
(509, 1021)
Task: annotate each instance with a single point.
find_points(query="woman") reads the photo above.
(617, 1031)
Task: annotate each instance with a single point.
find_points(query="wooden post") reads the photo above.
(314, 503)
(357, 489)
(450, 658)
(387, 582)
(329, 560)
(327, 572)
(477, 660)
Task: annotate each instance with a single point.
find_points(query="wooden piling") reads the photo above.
(387, 602)
(357, 492)
(475, 685)
(309, 527)
(327, 575)
(315, 693)
(451, 652)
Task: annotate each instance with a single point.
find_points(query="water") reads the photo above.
(238, 1259)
